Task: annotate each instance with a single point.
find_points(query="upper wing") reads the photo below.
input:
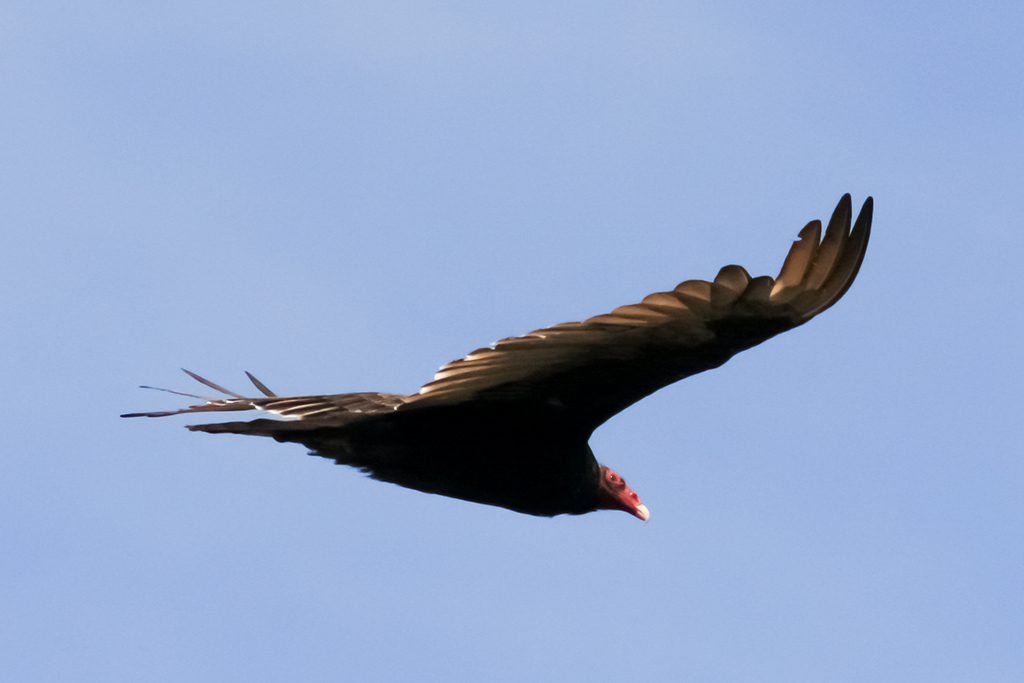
(596, 368)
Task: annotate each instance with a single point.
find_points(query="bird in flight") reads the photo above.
(509, 424)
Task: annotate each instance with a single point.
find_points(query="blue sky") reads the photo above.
(344, 196)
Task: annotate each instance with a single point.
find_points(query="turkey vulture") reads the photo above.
(508, 425)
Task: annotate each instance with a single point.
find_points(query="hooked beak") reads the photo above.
(642, 512)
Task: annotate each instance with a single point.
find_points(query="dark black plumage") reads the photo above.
(508, 425)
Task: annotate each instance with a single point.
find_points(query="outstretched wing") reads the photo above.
(596, 368)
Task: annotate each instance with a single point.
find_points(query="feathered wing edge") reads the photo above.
(828, 269)
(676, 334)
(305, 411)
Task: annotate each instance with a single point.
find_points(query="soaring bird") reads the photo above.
(509, 424)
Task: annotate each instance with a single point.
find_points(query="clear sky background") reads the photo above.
(342, 196)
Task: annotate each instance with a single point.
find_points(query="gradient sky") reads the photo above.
(342, 196)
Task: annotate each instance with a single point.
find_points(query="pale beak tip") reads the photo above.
(642, 512)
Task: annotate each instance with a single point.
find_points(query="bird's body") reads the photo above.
(509, 425)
